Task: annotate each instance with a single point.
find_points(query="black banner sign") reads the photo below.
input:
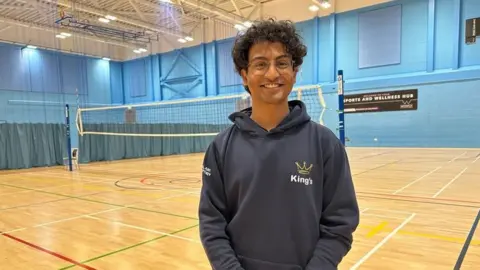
(471, 30)
(403, 100)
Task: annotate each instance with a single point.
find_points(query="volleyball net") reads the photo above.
(197, 117)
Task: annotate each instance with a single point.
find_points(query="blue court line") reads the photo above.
(467, 242)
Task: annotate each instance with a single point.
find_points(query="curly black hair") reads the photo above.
(283, 31)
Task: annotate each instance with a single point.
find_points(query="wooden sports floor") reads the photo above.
(418, 207)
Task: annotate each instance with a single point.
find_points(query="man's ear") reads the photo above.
(295, 71)
(243, 74)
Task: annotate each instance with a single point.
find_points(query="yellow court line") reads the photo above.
(440, 237)
(382, 226)
(377, 229)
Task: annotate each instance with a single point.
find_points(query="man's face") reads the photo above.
(270, 75)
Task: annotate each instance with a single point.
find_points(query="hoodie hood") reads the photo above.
(298, 115)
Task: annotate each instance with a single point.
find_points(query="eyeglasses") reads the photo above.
(260, 67)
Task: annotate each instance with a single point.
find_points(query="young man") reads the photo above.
(277, 190)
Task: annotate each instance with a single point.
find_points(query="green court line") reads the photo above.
(31, 204)
(129, 247)
(105, 203)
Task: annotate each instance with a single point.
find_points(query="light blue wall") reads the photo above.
(428, 53)
(433, 58)
(36, 84)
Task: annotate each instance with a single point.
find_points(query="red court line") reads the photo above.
(47, 251)
(418, 197)
(143, 181)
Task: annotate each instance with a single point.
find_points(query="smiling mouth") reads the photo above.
(272, 85)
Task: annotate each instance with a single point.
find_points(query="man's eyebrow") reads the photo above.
(264, 58)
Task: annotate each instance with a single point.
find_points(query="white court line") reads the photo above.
(476, 159)
(96, 213)
(457, 157)
(413, 182)
(449, 183)
(144, 229)
(383, 216)
(379, 245)
(390, 211)
(364, 210)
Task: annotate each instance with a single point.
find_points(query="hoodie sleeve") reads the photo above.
(340, 215)
(213, 216)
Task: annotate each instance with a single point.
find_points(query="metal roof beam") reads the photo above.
(215, 10)
(56, 30)
(102, 13)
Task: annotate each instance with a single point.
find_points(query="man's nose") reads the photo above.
(272, 72)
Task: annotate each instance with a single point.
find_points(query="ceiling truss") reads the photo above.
(144, 20)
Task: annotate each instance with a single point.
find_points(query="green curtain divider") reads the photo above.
(106, 147)
(27, 145)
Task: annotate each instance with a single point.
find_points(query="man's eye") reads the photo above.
(260, 65)
(283, 64)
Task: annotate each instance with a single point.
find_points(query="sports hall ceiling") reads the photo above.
(152, 26)
(136, 21)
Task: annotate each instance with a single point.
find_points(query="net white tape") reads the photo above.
(205, 116)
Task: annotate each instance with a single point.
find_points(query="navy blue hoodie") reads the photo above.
(277, 200)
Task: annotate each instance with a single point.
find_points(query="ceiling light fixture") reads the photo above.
(313, 8)
(239, 27)
(325, 4)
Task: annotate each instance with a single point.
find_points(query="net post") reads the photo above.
(69, 139)
(341, 115)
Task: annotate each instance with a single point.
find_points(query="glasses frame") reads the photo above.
(269, 63)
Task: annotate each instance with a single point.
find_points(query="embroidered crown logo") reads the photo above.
(303, 169)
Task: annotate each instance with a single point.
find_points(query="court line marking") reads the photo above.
(390, 211)
(132, 246)
(462, 254)
(90, 214)
(457, 157)
(406, 199)
(47, 202)
(429, 235)
(377, 167)
(53, 253)
(449, 183)
(100, 202)
(143, 229)
(385, 240)
(48, 175)
(478, 157)
(418, 179)
(374, 154)
(419, 199)
(377, 229)
(33, 204)
(43, 188)
(383, 216)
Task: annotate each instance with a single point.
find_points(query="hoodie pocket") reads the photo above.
(255, 264)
